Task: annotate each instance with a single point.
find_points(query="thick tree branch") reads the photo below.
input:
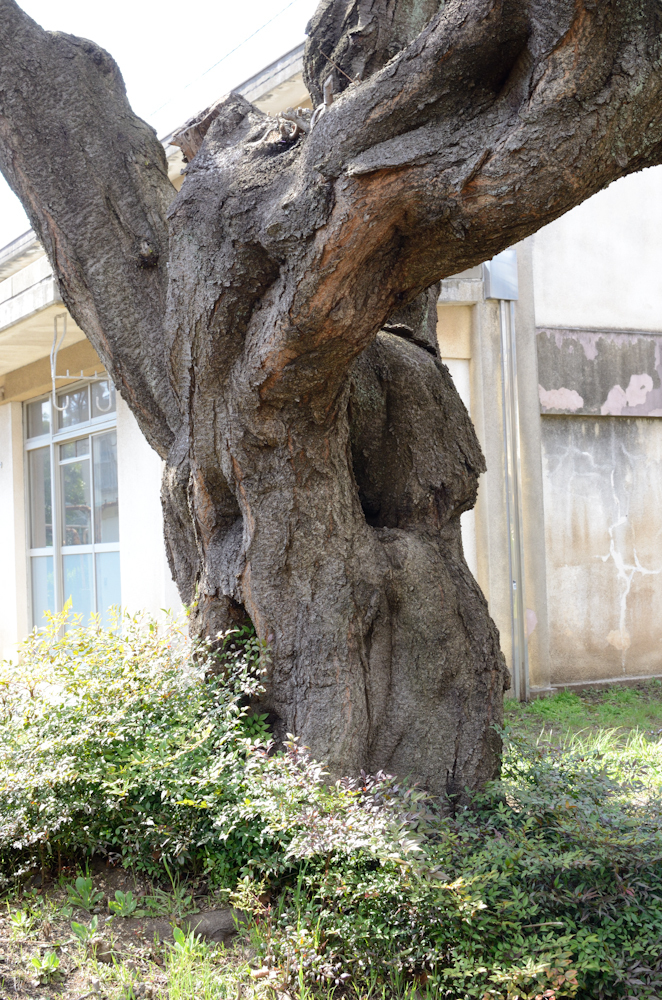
(498, 118)
(92, 177)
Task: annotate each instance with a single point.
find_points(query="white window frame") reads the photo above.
(53, 440)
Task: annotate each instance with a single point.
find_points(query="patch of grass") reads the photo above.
(590, 711)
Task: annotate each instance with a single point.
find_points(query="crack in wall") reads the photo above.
(603, 481)
(625, 574)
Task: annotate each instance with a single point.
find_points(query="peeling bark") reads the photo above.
(316, 468)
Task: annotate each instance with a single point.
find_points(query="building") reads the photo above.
(79, 488)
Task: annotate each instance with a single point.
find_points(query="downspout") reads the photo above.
(500, 283)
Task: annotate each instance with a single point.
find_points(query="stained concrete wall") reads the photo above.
(598, 310)
(603, 524)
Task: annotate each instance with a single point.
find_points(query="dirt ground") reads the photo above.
(125, 956)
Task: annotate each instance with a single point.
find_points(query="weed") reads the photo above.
(83, 894)
(47, 966)
(21, 921)
(124, 905)
(86, 932)
(186, 944)
(591, 711)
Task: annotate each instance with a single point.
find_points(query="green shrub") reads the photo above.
(115, 743)
(112, 742)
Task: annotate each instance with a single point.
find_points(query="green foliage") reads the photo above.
(46, 966)
(136, 745)
(124, 905)
(112, 742)
(83, 894)
(86, 932)
(552, 881)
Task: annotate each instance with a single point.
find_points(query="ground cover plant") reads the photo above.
(618, 708)
(131, 753)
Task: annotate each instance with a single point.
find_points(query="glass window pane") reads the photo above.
(76, 503)
(106, 514)
(74, 448)
(77, 578)
(39, 418)
(76, 407)
(103, 398)
(43, 590)
(41, 505)
(108, 583)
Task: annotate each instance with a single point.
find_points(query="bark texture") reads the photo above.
(316, 468)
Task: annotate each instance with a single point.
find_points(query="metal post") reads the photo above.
(500, 276)
(513, 474)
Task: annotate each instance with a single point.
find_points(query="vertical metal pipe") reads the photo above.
(513, 477)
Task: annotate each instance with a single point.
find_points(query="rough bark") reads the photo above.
(316, 467)
(93, 180)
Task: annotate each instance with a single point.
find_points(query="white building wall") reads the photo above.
(146, 581)
(14, 601)
(600, 266)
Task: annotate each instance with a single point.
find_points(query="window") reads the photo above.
(73, 501)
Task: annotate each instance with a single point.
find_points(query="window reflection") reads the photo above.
(41, 505)
(74, 449)
(76, 407)
(39, 418)
(76, 503)
(106, 514)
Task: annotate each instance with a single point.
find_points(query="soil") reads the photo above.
(138, 944)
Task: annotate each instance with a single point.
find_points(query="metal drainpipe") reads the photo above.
(500, 276)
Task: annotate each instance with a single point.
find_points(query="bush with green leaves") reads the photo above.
(135, 743)
(552, 880)
(130, 743)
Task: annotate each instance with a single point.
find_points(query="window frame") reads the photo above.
(53, 440)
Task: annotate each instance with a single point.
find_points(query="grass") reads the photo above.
(41, 957)
(591, 712)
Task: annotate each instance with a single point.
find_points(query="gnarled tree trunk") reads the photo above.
(273, 335)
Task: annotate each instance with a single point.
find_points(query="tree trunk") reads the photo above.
(272, 332)
(345, 550)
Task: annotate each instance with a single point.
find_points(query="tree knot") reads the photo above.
(147, 254)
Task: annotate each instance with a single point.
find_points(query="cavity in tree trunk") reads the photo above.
(272, 326)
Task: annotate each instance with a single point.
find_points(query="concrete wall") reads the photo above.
(603, 521)
(454, 325)
(13, 553)
(146, 581)
(598, 310)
